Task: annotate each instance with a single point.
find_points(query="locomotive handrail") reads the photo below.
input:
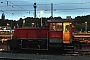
(86, 35)
(82, 33)
(47, 40)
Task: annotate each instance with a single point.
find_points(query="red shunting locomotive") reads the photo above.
(56, 34)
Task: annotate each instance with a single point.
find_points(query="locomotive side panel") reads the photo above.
(55, 34)
(56, 39)
(25, 33)
(30, 33)
(31, 38)
(21, 33)
(44, 33)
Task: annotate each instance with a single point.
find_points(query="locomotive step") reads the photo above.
(68, 46)
(68, 49)
(71, 54)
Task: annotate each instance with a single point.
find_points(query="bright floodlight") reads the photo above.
(41, 12)
(23, 21)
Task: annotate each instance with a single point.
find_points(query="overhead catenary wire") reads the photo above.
(23, 9)
(12, 4)
(54, 9)
(49, 4)
(43, 4)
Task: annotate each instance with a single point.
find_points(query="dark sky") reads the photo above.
(15, 9)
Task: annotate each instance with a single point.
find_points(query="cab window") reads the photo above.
(67, 28)
(56, 26)
(53, 26)
(59, 26)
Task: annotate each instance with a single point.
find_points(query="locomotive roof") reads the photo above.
(61, 20)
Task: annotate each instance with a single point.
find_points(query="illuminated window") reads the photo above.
(67, 28)
(56, 26)
(53, 26)
(59, 26)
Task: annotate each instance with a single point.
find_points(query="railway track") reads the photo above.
(52, 54)
(41, 57)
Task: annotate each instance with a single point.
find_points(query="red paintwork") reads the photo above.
(54, 34)
(36, 33)
(30, 33)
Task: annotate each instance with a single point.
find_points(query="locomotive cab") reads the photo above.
(60, 31)
(57, 33)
